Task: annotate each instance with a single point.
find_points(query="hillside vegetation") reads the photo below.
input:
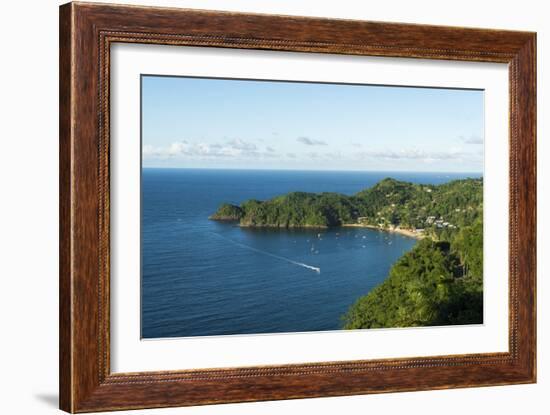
(433, 210)
(436, 283)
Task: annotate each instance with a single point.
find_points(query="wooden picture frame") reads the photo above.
(86, 33)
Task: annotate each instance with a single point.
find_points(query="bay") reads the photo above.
(202, 278)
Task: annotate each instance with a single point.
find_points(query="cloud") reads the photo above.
(311, 141)
(332, 156)
(420, 155)
(148, 151)
(235, 148)
(238, 144)
(474, 139)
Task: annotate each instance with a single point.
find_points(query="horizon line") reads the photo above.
(309, 170)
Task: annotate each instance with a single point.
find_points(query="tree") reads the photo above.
(422, 289)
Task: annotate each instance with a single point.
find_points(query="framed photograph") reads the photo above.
(259, 207)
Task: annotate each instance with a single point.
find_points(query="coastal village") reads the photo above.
(430, 222)
(422, 221)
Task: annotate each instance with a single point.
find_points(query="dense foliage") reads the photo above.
(436, 283)
(228, 212)
(299, 209)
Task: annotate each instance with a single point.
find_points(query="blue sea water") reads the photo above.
(201, 277)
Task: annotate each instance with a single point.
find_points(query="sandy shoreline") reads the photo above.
(405, 232)
(400, 231)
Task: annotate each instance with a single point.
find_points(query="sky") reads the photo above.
(247, 124)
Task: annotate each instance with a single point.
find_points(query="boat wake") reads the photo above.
(250, 248)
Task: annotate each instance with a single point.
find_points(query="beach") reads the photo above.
(406, 232)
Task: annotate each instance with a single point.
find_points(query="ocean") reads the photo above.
(203, 278)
